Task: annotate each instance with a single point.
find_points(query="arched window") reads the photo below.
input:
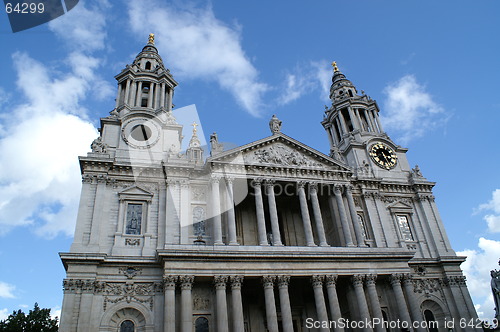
(350, 93)
(201, 324)
(127, 326)
(148, 65)
(431, 321)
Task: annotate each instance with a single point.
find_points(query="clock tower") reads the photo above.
(356, 134)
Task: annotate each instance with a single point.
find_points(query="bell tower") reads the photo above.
(145, 83)
(356, 134)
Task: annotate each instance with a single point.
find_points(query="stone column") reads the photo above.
(127, 92)
(331, 289)
(138, 95)
(416, 314)
(318, 219)
(118, 95)
(238, 319)
(343, 216)
(231, 218)
(286, 311)
(354, 217)
(133, 92)
(273, 212)
(162, 95)
(169, 100)
(151, 94)
(259, 208)
(169, 322)
(305, 214)
(319, 298)
(357, 281)
(400, 299)
(371, 288)
(271, 316)
(220, 295)
(216, 217)
(186, 303)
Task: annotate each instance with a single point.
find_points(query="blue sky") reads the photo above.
(432, 66)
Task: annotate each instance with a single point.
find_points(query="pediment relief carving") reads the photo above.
(400, 205)
(280, 154)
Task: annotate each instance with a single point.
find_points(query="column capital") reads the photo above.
(357, 280)
(313, 187)
(317, 280)
(169, 281)
(331, 279)
(301, 184)
(337, 189)
(220, 281)
(407, 278)
(348, 188)
(236, 281)
(268, 281)
(215, 178)
(257, 182)
(186, 282)
(396, 278)
(370, 279)
(269, 183)
(283, 281)
(229, 179)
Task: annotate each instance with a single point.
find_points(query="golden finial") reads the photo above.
(151, 39)
(334, 65)
(194, 127)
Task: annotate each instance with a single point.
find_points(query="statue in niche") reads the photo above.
(275, 125)
(98, 146)
(495, 288)
(199, 221)
(134, 219)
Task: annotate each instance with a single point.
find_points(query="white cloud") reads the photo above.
(477, 269)
(55, 313)
(198, 45)
(409, 109)
(45, 132)
(4, 313)
(316, 75)
(7, 290)
(493, 220)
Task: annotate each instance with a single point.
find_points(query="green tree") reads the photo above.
(37, 320)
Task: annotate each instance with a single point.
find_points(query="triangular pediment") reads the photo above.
(279, 150)
(135, 191)
(399, 205)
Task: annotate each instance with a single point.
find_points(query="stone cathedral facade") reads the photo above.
(269, 236)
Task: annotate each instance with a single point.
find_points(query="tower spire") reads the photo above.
(151, 39)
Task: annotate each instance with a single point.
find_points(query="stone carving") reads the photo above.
(281, 154)
(98, 146)
(79, 284)
(215, 146)
(186, 282)
(370, 279)
(220, 282)
(275, 125)
(199, 221)
(283, 281)
(426, 286)
(416, 172)
(130, 272)
(236, 282)
(170, 118)
(317, 280)
(132, 242)
(199, 193)
(268, 281)
(420, 270)
(169, 282)
(331, 280)
(201, 303)
(495, 288)
(357, 279)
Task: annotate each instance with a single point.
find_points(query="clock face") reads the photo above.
(383, 155)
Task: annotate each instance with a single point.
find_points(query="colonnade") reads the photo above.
(265, 188)
(364, 286)
(158, 94)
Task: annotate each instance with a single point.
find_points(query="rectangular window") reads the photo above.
(134, 219)
(404, 227)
